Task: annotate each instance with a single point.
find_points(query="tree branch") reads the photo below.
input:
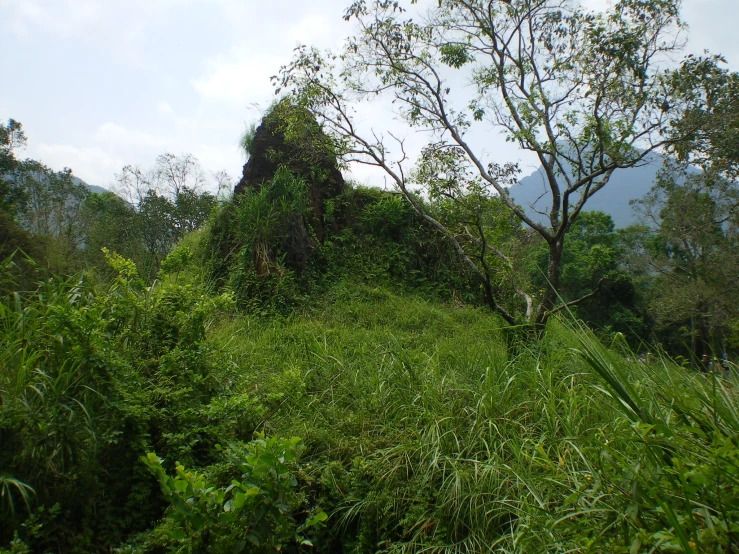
(581, 299)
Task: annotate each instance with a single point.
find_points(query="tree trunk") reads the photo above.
(551, 292)
(702, 344)
(694, 359)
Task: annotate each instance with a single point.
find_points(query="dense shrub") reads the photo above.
(262, 247)
(91, 379)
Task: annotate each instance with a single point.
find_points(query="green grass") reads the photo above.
(423, 429)
(246, 141)
(424, 434)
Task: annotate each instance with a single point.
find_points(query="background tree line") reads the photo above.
(669, 280)
(63, 224)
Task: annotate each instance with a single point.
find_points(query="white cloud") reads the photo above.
(114, 135)
(215, 158)
(112, 146)
(65, 17)
(242, 78)
(242, 75)
(118, 27)
(109, 148)
(94, 165)
(164, 108)
(312, 29)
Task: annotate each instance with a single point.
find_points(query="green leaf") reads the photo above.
(177, 534)
(314, 520)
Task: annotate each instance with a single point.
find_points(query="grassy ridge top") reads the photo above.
(423, 427)
(425, 432)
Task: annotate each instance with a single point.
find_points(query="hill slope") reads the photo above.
(422, 427)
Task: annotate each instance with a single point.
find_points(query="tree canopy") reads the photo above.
(587, 92)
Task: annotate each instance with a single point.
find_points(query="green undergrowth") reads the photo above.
(423, 433)
(264, 246)
(154, 419)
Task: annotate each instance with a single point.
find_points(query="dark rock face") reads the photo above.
(317, 167)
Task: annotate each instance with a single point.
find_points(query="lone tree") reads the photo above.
(587, 92)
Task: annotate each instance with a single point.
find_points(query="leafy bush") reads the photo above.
(177, 260)
(256, 511)
(388, 216)
(273, 240)
(90, 378)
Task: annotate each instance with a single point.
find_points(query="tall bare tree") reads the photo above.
(177, 173)
(169, 201)
(586, 92)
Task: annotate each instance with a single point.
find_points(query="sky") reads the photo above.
(100, 84)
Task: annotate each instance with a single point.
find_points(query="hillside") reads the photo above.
(421, 425)
(76, 181)
(315, 366)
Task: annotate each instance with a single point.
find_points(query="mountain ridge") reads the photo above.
(614, 199)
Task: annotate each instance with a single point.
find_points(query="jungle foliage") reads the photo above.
(371, 371)
(150, 416)
(160, 418)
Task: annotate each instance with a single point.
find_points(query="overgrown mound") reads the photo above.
(419, 430)
(295, 226)
(289, 137)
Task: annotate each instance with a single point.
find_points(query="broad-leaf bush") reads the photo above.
(254, 513)
(91, 377)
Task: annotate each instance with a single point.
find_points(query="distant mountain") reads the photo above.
(92, 188)
(76, 180)
(626, 184)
